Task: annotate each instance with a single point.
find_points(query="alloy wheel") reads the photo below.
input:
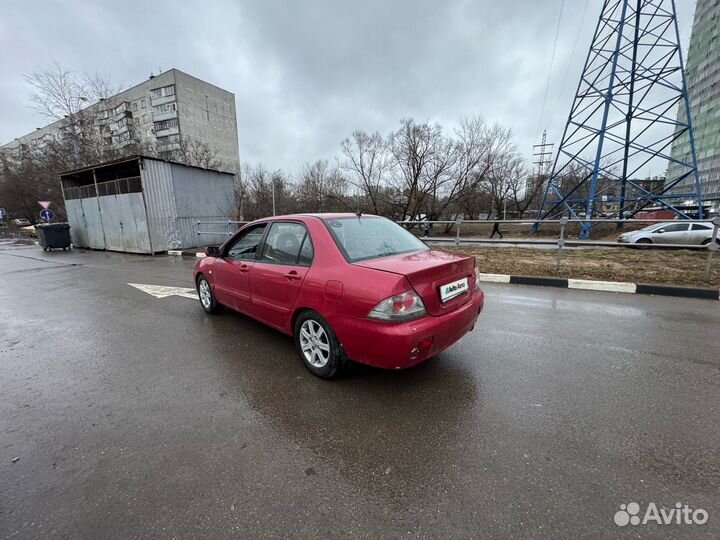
(314, 343)
(205, 294)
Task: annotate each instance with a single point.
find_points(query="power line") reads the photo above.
(552, 61)
(569, 64)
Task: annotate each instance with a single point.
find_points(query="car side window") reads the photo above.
(699, 227)
(307, 252)
(674, 227)
(286, 244)
(245, 246)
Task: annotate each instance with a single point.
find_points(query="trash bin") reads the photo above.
(53, 235)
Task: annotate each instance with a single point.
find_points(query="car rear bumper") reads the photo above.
(402, 345)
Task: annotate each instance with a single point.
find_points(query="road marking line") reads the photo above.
(174, 252)
(609, 286)
(161, 291)
(495, 278)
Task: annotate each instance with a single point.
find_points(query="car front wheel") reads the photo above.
(317, 345)
(207, 298)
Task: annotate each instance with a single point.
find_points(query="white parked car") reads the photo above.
(674, 232)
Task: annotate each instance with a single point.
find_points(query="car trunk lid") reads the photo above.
(428, 271)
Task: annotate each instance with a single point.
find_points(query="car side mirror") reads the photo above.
(212, 251)
(659, 231)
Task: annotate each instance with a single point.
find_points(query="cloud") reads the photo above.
(306, 74)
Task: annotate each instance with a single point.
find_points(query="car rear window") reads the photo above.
(369, 237)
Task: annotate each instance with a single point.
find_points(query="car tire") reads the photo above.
(317, 345)
(708, 240)
(207, 298)
(643, 243)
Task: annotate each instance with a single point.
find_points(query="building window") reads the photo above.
(165, 108)
(142, 104)
(135, 107)
(163, 91)
(166, 124)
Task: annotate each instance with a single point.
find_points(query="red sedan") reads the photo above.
(345, 287)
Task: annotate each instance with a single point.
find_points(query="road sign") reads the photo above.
(2, 213)
(47, 214)
(44, 204)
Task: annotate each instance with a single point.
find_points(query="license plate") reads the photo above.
(451, 290)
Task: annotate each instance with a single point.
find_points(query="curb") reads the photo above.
(178, 253)
(606, 286)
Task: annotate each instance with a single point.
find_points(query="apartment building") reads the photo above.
(161, 112)
(702, 74)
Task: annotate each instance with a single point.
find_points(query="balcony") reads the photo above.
(122, 141)
(119, 130)
(154, 101)
(164, 116)
(121, 108)
(120, 114)
(167, 132)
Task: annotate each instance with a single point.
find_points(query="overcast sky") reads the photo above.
(307, 73)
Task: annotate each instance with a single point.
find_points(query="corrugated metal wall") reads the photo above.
(124, 223)
(164, 216)
(160, 202)
(86, 229)
(201, 195)
(177, 197)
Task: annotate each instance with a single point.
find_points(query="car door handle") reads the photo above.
(244, 267)
(292, 275)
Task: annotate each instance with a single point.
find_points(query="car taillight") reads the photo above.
(401, 307)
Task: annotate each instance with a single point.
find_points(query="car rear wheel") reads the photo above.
(708, 240)
(207, 298)
(317, 345)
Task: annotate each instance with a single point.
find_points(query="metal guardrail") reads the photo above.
(561, 241)
(231, 226)
(226, 228)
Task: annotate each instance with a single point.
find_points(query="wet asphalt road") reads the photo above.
(137, 417)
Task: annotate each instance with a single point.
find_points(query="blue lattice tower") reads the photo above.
(623, 121)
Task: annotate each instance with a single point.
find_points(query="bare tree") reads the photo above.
(472, 151)
(58, 92)
(322, 189)
(367, 160)
(520, 191)
(242, 188)
(414, 147)
(266, 189)
(526, 190)
(417, 170)
(194, 152)
(61, 95)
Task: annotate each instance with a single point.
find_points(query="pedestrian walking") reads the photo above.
(496, 229)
